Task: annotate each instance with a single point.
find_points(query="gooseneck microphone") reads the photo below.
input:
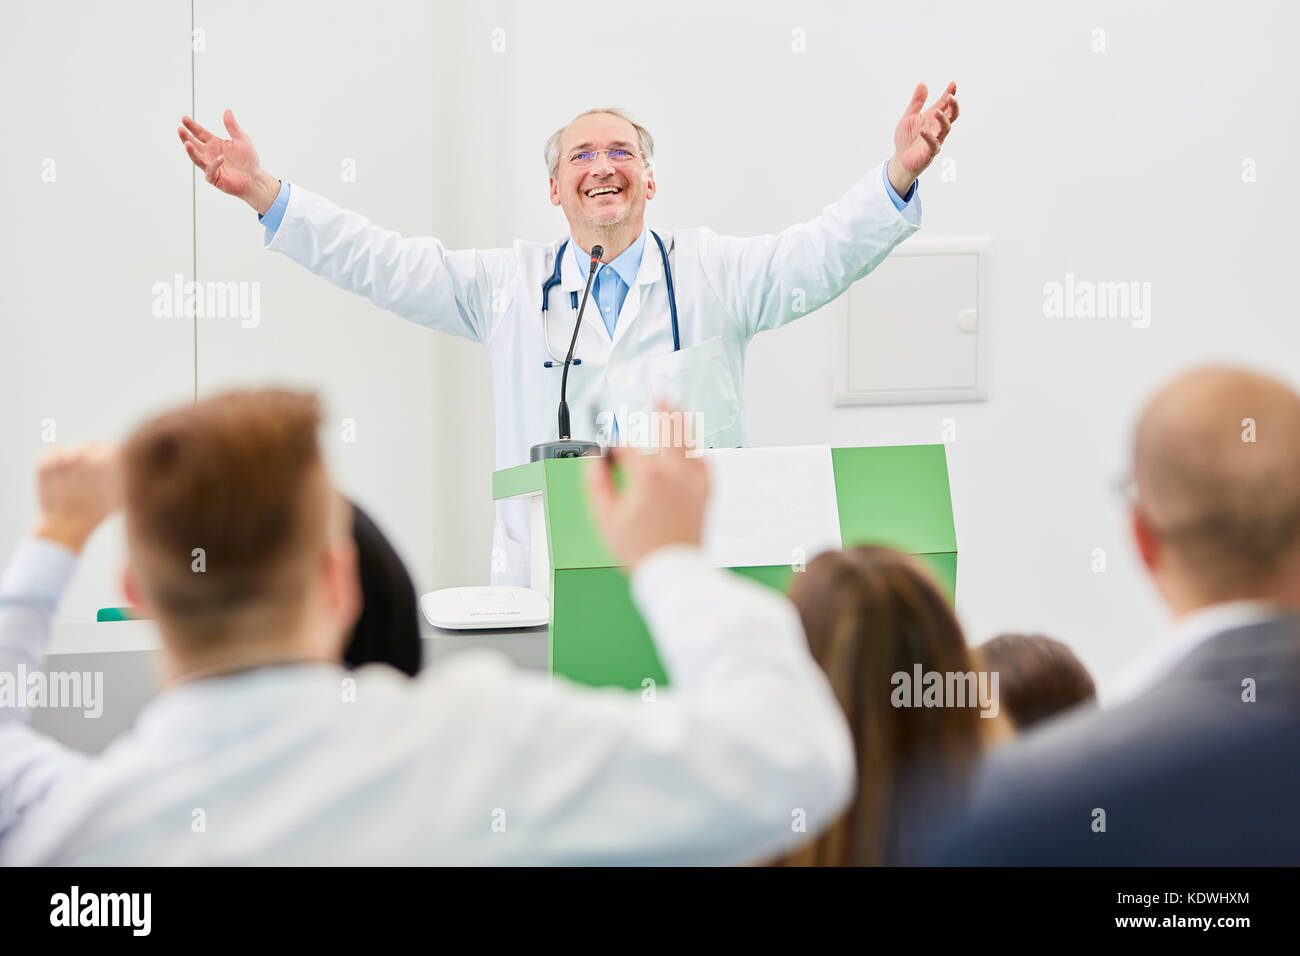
(567, 447)
(596, 253)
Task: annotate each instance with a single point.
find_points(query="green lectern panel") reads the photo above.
(574, 540)
(944, 567)
(895, 495)
(581, 545)
(603, 640)
(777, 576)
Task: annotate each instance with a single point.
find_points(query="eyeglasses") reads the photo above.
(1125, 488)
(1219, 522)
(585, 157)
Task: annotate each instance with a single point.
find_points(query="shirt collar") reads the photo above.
(627, 264)
(236, 698)
(1183, 637)
(1196, 627)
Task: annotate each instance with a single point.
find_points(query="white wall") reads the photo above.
(104, 204)
(344, 106)
(366, 105)
(1122, 165)
(95, 209)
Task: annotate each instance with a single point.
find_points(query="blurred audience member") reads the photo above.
(876, 620)
(1038, 677)
(388, 630)
(1185, 770)
(288, 758)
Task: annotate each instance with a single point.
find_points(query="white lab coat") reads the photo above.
(728, 289)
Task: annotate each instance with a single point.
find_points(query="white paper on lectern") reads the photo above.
(770, 505)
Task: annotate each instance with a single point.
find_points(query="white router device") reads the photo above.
(468, 609)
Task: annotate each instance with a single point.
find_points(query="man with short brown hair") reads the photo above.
(230, 514)
(240, 547)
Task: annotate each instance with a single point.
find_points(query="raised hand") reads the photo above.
(920, 135)
(229, 164)
(76, 489)
(662, 500)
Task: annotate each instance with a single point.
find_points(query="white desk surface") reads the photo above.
(98, 637)
(127, 653)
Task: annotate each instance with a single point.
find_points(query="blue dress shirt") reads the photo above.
(613, 279)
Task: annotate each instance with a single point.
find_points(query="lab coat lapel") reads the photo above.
(594, 338)
(648, 273)
(572, 279)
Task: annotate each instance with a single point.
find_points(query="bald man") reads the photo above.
(1198, 764)
(1216, 518)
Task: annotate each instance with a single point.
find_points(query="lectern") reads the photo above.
(771, 511)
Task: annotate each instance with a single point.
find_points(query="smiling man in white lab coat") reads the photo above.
(601, 166)
(291, 759)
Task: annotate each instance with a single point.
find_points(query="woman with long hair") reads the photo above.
(871, 613)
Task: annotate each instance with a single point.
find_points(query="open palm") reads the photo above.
(920, 134)
(228, 164)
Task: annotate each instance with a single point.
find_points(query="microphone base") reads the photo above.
(564, 448)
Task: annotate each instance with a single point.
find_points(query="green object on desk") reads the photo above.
(895, 495)
(119, 614)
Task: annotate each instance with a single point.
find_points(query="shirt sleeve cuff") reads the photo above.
(38, 572)
(272, 218)
(899, 201)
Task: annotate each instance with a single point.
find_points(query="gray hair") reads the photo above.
(552, 149)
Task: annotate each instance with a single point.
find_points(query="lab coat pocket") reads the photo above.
(697, 380)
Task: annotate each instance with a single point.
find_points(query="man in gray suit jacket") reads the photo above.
(1199, 762)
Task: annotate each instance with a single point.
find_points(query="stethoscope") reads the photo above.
(554, 280)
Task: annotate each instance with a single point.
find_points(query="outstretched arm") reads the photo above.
(417, 278)
(769, 280)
